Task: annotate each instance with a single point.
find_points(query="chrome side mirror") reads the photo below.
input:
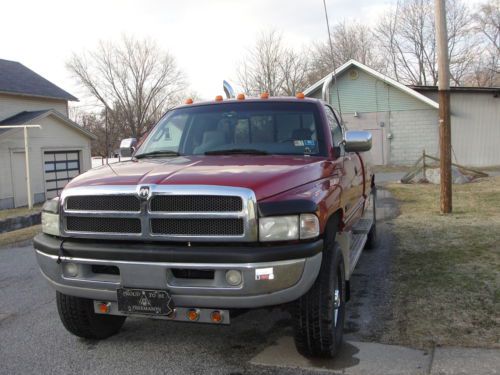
(357, 141)
(127, 146)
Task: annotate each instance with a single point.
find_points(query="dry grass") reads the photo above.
(19, 235)
(4, 214)
(391, 168)
(447, 267)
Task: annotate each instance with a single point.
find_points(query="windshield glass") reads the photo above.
(283, 128)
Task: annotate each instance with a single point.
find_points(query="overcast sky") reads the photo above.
(208, 38)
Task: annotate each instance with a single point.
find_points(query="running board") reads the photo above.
(357, 246)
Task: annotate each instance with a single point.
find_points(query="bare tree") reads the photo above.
(406, 35)
(486, 70)
(349, 41)
(273, 68)
(134, 80)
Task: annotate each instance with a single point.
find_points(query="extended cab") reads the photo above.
(226, 204)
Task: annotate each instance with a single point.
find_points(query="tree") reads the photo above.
(134, 80)
(349, 41)
(273, 68)
(406, 35)
(487, 65)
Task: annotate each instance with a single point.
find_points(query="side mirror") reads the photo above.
(127, 146)
(357, 141)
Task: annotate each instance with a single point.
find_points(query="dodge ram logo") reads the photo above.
(144, 192)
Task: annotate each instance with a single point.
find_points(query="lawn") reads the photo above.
(18, 236)
(446, 269)
(13, 212)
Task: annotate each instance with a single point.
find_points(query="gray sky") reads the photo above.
(208, 38)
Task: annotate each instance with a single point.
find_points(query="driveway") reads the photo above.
(34, 341)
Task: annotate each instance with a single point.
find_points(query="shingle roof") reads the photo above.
(23, 117)
(15, 78)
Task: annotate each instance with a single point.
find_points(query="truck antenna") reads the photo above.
(228, 90)
(332, 56)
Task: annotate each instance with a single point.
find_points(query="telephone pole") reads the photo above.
(444, 106)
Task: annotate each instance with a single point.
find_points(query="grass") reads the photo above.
(391, 168)
(20, 235)
(4, 214)
(447, 267)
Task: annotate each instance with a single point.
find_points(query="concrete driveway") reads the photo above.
(34, 341)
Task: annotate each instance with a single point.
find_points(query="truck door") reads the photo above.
(352, 198)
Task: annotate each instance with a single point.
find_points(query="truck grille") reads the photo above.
(104, 203)
(198, 227)
(169, 213)
(196, 203)
(103, 225)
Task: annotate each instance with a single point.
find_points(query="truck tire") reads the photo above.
(78, 317)
(371, 241)
(318, 316)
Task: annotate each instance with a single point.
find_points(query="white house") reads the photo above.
(404, 120)
(59, 151)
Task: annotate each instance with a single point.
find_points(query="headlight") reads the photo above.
(285, 228)
(50, 217)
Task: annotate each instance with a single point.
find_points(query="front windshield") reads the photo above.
(282, 128)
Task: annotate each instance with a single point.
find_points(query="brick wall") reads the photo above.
(412, 132)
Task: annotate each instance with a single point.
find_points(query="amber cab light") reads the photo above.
(264, 95)
(300, 95)
(218, 98)
(103, 307)
(188, 101)
(216, 316)
(241, 97)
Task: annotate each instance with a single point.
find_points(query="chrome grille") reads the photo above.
(103, 224)
(198, 227)
(104, 203)
(169, 213)
(196, 203)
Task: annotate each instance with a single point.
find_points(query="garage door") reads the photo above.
(60, 168)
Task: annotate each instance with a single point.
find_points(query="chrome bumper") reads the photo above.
(290, 279)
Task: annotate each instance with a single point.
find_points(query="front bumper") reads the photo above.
(150, 266)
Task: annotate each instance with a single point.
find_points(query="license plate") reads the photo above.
(142, 301)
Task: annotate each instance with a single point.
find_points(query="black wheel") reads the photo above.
(318, 316)
(371, 241)
(78, 317)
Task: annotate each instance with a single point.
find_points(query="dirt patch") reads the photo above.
(446, 273)
(18, 236)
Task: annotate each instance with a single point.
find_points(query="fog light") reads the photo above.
(104, 307)
(70, 269)
(193, 315)
(233, 277)
(216, 316)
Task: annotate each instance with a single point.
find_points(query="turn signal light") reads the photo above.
(193, 315)
(241, 97)
(188, 101)
(104, 307)
(216, 316)
(264, 95)
(218, 98)
(300, 95)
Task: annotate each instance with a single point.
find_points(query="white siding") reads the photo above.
(11, 105)
(54, 135)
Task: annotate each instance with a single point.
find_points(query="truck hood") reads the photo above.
(265, 175)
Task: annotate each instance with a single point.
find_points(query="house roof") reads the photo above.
(17, 79)
(375, 74)
(23, 118)
(494, 90)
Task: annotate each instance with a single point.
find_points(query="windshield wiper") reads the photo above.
(157, 153)
(235, 151)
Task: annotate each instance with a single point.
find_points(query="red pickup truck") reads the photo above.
(228, 204)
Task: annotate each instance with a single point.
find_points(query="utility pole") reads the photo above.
(444, 106)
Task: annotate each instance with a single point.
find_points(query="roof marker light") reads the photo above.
(300, 95)
(241, 97)
(188, 101)
(264, 95)
(218, 98)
